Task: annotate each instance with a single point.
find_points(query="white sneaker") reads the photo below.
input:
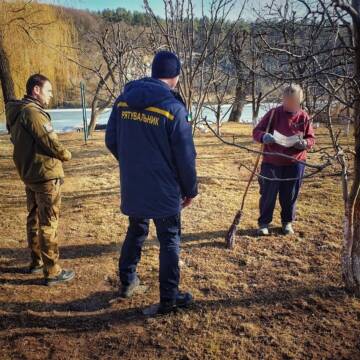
(263, 230)
(287, 229)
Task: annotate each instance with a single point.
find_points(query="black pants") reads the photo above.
(168, 232)
(288, 191)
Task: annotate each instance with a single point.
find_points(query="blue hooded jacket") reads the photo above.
(150, 136)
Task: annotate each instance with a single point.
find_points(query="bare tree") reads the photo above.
(219, 98)
(118, 57)
(317, 44)
(351, 248)
(196, 41)
(247, 56)
(328, 59)
(239, 51)
(7, 83)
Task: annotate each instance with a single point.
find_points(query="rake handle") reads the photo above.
(230, 235)
(255, 165)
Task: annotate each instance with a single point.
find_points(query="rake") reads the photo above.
(230, 236)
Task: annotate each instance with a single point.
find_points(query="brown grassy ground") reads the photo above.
(270, 298)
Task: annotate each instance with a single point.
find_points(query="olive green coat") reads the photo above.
(38, 153)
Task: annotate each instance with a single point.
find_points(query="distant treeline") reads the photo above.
(126, 16)
(138, 18)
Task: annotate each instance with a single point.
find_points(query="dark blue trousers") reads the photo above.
(288, 191)
(168, 231)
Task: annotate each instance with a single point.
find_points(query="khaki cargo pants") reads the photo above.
(43, 204)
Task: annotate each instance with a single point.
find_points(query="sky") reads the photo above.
(157, 5)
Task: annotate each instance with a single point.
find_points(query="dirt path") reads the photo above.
(270, 298)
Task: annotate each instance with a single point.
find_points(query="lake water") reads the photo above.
(67, 120)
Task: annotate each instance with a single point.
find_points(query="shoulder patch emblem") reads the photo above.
(48, 128)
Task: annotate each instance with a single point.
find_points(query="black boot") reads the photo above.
(183, 300)
(127, 291)
(64, 276)
(35, 269)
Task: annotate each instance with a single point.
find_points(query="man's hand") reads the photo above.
(186, 202)
(301, 144)
(268, 139)
(66, 155)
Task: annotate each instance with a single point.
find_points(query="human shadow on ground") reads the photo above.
(199, 239)
(66, 252)
(80, 314)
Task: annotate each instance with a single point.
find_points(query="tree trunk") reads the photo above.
(7, 83)
(351, 246)
(356, 246)
(218, 119)
(94, 115)
(239, 102)
(256, 102)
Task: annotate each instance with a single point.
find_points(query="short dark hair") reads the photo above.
(35, 80)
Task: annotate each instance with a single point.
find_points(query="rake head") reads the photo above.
(230, 236)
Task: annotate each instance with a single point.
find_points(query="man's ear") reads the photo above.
(36, 90)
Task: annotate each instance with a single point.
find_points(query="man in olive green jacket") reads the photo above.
(38, 156)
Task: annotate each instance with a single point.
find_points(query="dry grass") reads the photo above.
(270, 298)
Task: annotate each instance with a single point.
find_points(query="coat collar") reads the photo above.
(30, 99)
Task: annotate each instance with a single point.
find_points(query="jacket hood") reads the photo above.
(14, 107)
(140, 94)
(12, 110)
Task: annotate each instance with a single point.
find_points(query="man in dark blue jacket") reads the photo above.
(149, 134)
